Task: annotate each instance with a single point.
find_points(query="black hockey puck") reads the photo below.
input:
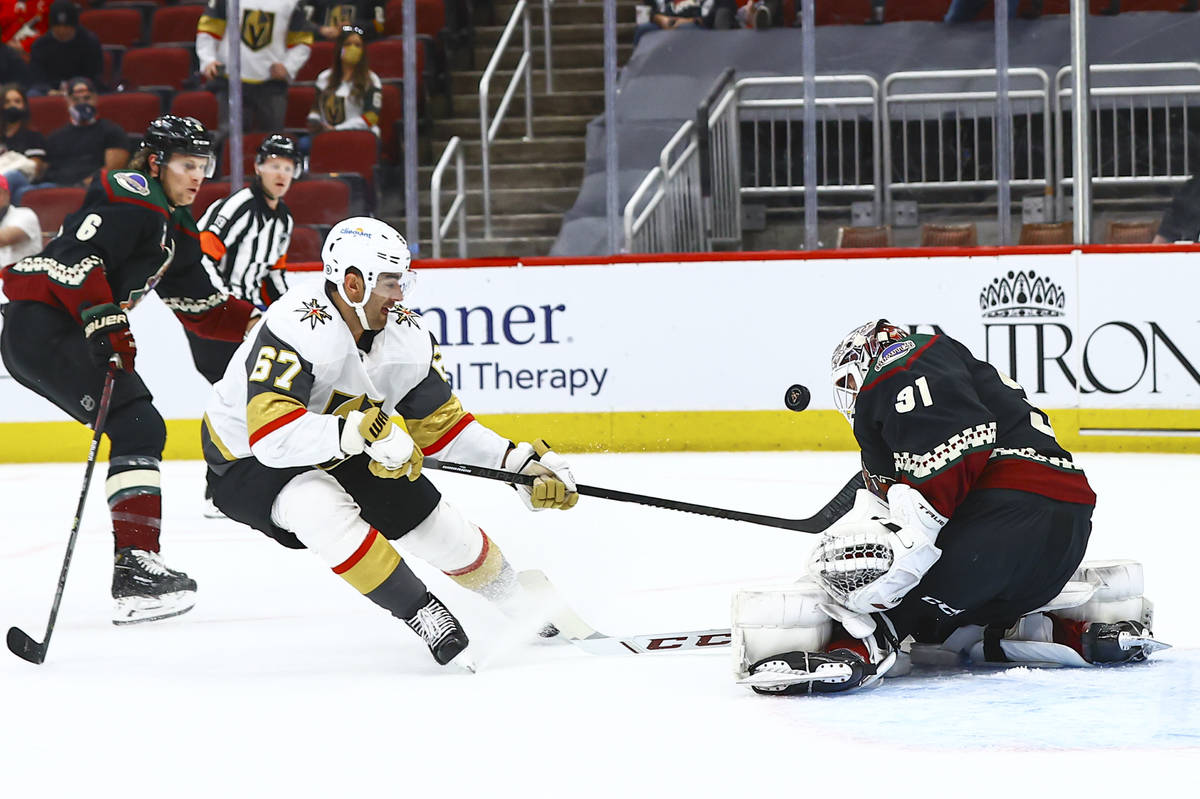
(796, 398)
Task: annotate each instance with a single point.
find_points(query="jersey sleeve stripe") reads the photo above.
(440, 443)
(266, 413)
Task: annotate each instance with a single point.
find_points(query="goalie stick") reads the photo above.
(837, 507)
(573, 628)
(19, 642)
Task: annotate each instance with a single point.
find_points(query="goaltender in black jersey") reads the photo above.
(67, 322)
(967, 545)
(316, 434)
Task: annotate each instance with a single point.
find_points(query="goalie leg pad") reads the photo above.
(774, 619)
(1118, 593)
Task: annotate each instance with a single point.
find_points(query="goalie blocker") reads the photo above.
(796, 639)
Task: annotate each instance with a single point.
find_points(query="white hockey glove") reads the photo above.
(386, 440)
(869, 565)
(553, 484)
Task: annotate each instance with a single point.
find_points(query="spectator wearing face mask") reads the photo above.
(349, 94)
(76, 150)
(22, 149)
(65, 51)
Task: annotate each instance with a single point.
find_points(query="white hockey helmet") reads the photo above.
(852, 359)
(369, 246)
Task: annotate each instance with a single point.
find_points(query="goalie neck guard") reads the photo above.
(852, 359)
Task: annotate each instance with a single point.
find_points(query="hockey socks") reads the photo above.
(377, 571)
(135, 501)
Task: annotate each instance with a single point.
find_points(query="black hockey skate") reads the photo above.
(809, 673)
(440, 631)
(145, 589)
(1119, 642)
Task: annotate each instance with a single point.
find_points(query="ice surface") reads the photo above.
(284, 682)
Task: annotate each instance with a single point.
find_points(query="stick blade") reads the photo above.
(25, 647)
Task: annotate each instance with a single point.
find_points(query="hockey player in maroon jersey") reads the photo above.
(969, 539)
(68, 321)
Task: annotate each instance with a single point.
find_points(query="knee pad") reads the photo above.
(770, 620)
(1117, 594)
(325, 518)
(136, 428)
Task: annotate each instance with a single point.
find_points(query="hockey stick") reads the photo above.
(19, 642)
(817, 523)
(573, 628)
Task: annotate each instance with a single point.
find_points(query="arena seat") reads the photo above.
(133, 111)
(299, 103)
(156, 66)
(1034, 233)
(319, 60)
(250, 142)
(306, 244)
(391, 111)
(1140, 231)
(52, 206)
(200, 104)
(880, 236)
(345, 151)
(957, 235)
(121, 26)
(210, 192)
(320, 201)
(175, 24)
(48, 114)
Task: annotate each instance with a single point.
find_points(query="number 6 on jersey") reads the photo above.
(268, 357)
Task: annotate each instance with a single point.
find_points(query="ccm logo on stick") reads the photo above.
(680, 641)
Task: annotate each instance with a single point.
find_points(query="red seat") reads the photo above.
(305, 247)
(250, 142)
(345, 151)
(121, 26)
(319, 60)
(112, 55)
(431, 17)
(210, 192)
(201, 105)
(52, 206)
(133, 111)
(319, 201)
(386, 59)
(391, 110)
(175, 24)
(48, 114)
(156, 66)
(300, 102)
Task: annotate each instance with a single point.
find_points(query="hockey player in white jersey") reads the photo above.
(316, 433)
(969, 543)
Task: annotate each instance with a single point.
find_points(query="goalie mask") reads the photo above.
(852, 360)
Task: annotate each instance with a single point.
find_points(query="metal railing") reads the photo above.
(720, 162)
(665, 213)
(488, 131)
(1140, 134)
(458, 208)
(547, 44)
(848, 137)
(946, 138)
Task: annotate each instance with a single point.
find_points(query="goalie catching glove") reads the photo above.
(386, 440)
(869, 565)
(553, 484)
(109, 339)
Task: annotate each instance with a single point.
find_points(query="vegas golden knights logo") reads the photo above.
(257, 28)
(334, 108)
(340, 16)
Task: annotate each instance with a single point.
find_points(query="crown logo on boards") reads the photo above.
(1022, 294)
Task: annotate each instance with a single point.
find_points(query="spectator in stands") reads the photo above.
(13, 68)
(349, 94)
(65, 51)
(328, 17)
(688, 15)
(22, 149)
(22, 23)
(76, 150)
(20, 231)
(968, 10)
(759, 14)
(275, 43)
(1181, 222)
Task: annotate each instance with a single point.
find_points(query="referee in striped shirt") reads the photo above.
(245, 239)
